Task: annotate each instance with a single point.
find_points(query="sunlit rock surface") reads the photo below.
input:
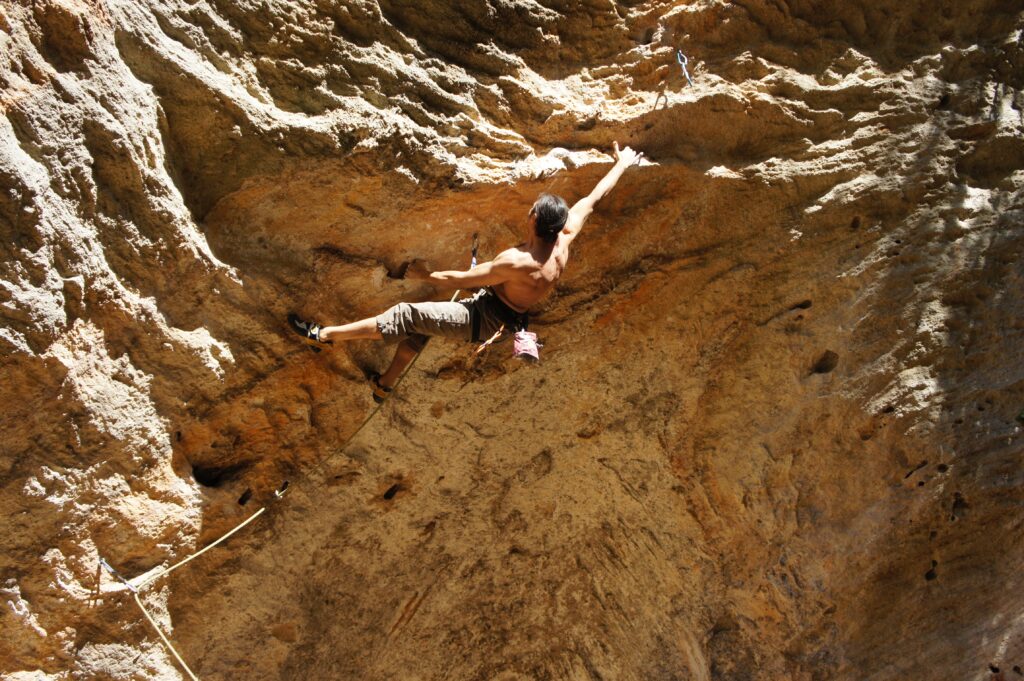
(776, 431)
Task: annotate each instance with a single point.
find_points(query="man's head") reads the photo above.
(550, 212)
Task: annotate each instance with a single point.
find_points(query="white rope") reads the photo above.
(164, 638)
(150, 580)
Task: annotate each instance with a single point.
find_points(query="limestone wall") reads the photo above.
(776, 431)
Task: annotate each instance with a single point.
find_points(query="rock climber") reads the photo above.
(513, 282)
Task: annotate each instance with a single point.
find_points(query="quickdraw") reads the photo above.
(681, 58)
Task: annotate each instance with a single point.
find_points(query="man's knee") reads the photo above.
(395, 321)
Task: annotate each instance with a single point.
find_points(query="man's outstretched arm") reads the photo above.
(485, 274)
(579, 213)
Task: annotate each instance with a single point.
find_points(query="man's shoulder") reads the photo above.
(516, 256)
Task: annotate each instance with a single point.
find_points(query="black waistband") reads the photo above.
(507, 313)
(514, 320)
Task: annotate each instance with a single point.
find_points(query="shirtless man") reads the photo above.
(513, 282)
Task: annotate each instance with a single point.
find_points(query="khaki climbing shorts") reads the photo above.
(483, 313)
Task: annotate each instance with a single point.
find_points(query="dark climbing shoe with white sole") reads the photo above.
(308, 330)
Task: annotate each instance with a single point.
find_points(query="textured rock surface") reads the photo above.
(777, 429)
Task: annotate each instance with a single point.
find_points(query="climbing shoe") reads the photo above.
(380, 392)
(308, 330)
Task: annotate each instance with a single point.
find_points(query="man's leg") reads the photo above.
(405, 353)
(364, 329)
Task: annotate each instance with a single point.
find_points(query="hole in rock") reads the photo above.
(802, 305)
(246, 496)
(826, 363)
(215, 476)
(942, 468)
(392, 491)
(916, 469)
(855, 223)
(931, 574)
(1017, 671)
(960, 507)
(177, 436)
(994, 669)
(399, 272)
(889, 409)
(943, 101)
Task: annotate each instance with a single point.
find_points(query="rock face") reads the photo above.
(776, 431)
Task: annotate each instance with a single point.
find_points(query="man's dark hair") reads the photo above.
(552, 212)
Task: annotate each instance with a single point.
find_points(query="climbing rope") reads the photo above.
(137, 590)
(683, 61)
(138, 601)
(163, 638)
(487, 343)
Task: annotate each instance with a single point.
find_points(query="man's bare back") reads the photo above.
(535, 273)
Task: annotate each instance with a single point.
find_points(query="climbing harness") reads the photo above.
(524, 343)
(137, 589)
(681, 58)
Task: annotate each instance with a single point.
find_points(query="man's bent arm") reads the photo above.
(582, 209)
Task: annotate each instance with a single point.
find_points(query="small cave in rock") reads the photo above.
(826, 363)
(215, 476)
